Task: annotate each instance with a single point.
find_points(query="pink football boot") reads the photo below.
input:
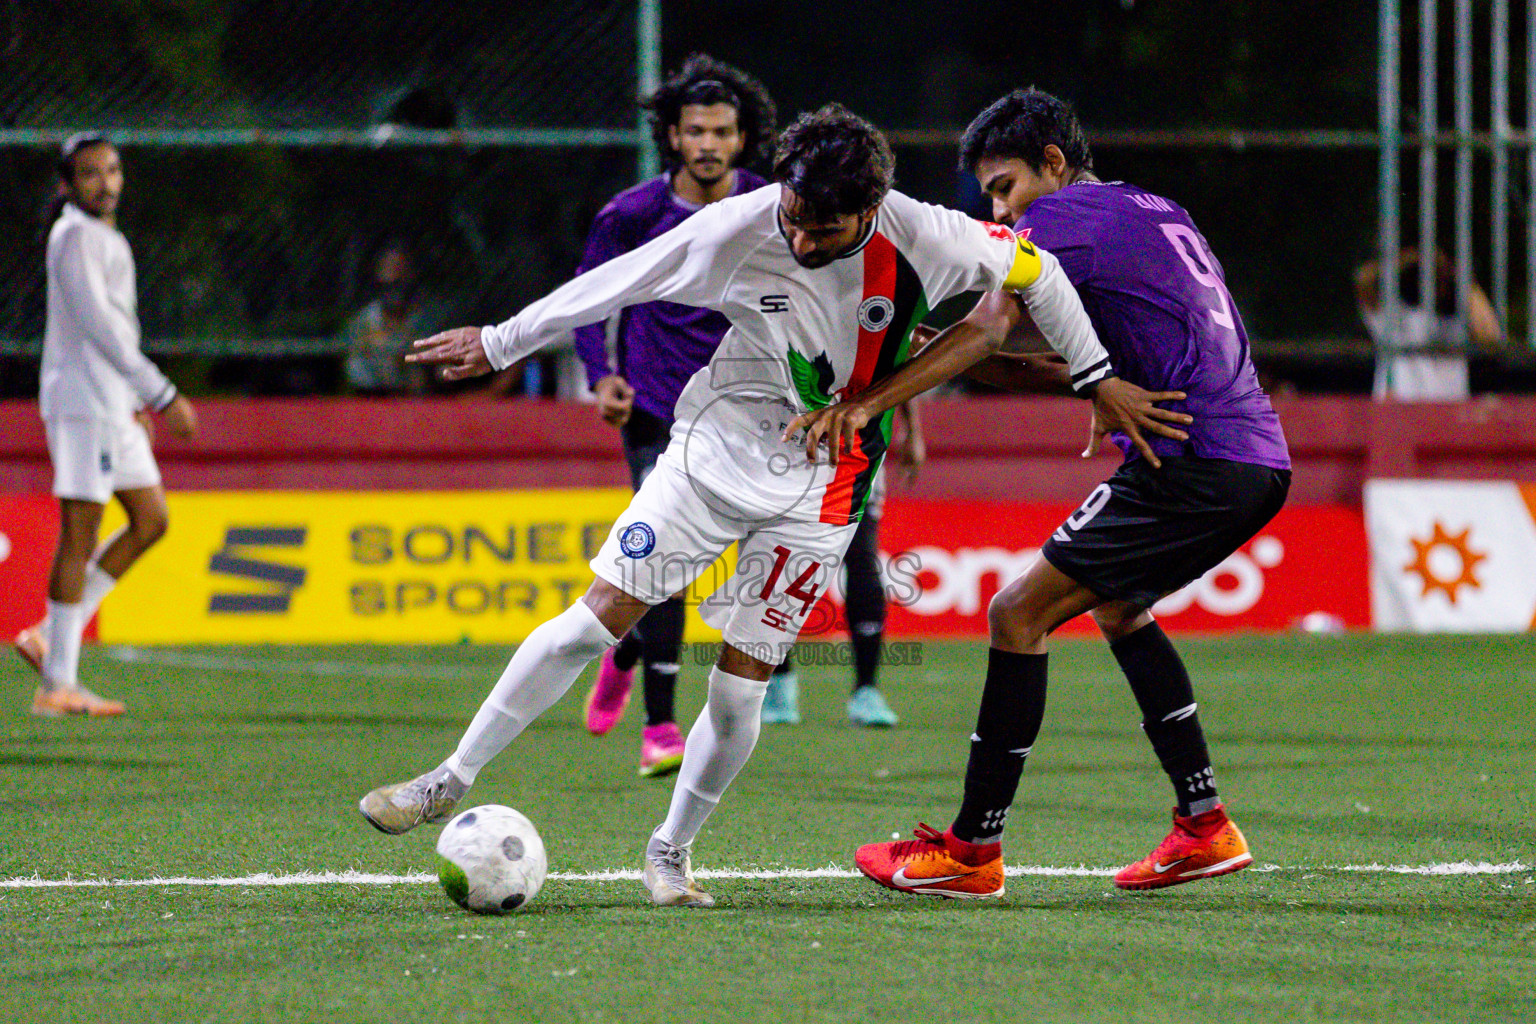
(609, 696)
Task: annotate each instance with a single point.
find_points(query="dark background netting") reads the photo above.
(261, 250)
(316, 63)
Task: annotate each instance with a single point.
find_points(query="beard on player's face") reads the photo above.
(707, 169)
(708, 141)
(97, 181)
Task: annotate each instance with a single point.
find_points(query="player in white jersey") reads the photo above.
(823, 276)
(96, 386)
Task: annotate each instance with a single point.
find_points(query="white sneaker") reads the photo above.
(426, 799)
(668, 876)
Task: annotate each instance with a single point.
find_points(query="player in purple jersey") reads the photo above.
(709, 120)
(1182, 501)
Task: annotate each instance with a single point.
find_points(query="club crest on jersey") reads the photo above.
(875, 313)
(1001, 231)
(637, 540)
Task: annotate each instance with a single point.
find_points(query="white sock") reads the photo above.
(542, 669)
(98, 584)
(718, 747)
(65, 624)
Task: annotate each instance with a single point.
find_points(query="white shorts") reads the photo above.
(93, 459)
(673, 531)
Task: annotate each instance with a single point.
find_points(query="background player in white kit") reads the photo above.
(823, 276)
(96, 386)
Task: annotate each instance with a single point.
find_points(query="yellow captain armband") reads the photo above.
(1026, 267)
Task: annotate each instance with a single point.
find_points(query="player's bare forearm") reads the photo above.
(1025, 373)
(953, 351)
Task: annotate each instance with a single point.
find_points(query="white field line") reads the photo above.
(264, 879)
(308, 667)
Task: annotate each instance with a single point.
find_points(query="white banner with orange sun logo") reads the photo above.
(1452, 556)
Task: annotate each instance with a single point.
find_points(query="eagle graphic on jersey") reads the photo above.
(813, 378)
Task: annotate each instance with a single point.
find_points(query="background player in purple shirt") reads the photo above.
(709, 120)
(1182, 501)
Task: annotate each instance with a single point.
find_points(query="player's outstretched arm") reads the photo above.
(1024, 365)
(459, 353)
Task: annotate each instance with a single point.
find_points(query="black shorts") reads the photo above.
(645, 437)
(1147, 532)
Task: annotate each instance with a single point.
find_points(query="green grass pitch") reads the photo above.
(1331, 752)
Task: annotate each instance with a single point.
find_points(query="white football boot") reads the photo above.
(668, 876)
(426, 799)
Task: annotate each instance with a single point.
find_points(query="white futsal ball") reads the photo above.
(491, 860)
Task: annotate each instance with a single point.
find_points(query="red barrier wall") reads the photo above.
(1019, 449)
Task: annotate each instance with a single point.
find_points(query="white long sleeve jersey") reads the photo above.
(92, 366)
(802, 338)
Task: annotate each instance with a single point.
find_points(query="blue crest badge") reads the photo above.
(637, 540)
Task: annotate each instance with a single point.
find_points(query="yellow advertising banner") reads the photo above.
(381, 567)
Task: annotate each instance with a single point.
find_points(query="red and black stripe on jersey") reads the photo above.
(882, 348)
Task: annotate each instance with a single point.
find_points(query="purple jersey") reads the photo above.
(659, 344)
(1159, 301)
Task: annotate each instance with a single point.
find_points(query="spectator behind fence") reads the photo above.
(1438, 374)
(379, 334)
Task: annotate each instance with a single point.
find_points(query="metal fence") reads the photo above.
(1496, 137)
(272, 147)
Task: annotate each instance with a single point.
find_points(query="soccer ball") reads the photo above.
(491, 860)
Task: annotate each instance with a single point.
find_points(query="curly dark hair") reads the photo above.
(1021, 125)
(706, 81)
(836, 162)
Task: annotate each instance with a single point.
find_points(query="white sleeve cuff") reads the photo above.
(493, 338)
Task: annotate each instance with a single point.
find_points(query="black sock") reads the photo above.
(788, 664)
(662, 629)
(1168, 714)
(864, 602)
(626, 654)
(868, 641)
(1012, 706)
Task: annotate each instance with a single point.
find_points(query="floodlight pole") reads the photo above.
(1530, 168)
(647, 81)
(1388, 99)
(1498, 93)
(1429, 128)
(1463, 203)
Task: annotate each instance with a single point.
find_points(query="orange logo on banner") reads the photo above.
(1457, 543)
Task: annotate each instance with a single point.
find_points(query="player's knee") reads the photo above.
(577, 632)
(1116, 620)
(734, 701)
(150, 526)
(1008, 617)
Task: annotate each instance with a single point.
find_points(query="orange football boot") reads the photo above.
(73, 700)
(935, 864)
(1202, 846)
